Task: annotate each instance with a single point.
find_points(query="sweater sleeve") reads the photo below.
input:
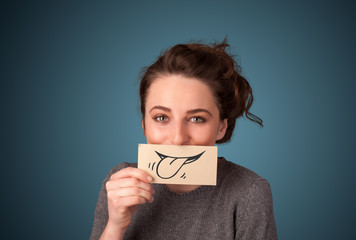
(257, 219)
(101, 210)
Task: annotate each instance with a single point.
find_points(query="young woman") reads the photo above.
(192, 95)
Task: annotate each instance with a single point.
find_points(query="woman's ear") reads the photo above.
(222, 129)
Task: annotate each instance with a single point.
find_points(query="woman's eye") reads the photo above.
(197, 119)
(161, 118)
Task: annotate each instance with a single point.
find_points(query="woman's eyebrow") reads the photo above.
(198, 110)
(161, 108)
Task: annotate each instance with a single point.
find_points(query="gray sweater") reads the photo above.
(238, 207)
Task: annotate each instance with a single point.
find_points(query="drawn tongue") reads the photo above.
(169, 167)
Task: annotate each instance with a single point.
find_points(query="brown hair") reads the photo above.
(212, 65)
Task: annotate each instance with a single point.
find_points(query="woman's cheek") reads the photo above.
(155, 135)
(203, 136)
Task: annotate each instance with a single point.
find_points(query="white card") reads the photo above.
(171, 164)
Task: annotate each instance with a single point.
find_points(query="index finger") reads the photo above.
(132, 172)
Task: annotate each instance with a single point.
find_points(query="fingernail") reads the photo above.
(149, 178)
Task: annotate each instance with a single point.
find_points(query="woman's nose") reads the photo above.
(179, 134)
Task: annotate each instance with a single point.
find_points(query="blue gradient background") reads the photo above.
(70, 110)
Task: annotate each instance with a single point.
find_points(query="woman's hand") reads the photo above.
(126, 189)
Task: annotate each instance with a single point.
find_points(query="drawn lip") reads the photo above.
(184, 160)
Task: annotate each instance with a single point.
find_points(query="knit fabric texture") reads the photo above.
(238, 207)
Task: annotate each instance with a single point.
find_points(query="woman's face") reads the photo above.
(182, 111)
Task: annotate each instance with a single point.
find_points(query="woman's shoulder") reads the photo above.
(240, 177)
(237, 171)
(252, 196)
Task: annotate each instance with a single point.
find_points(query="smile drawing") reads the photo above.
(169, 166)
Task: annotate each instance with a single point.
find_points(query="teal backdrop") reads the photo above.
(70, 109)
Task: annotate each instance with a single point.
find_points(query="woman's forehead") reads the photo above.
(182, 91)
